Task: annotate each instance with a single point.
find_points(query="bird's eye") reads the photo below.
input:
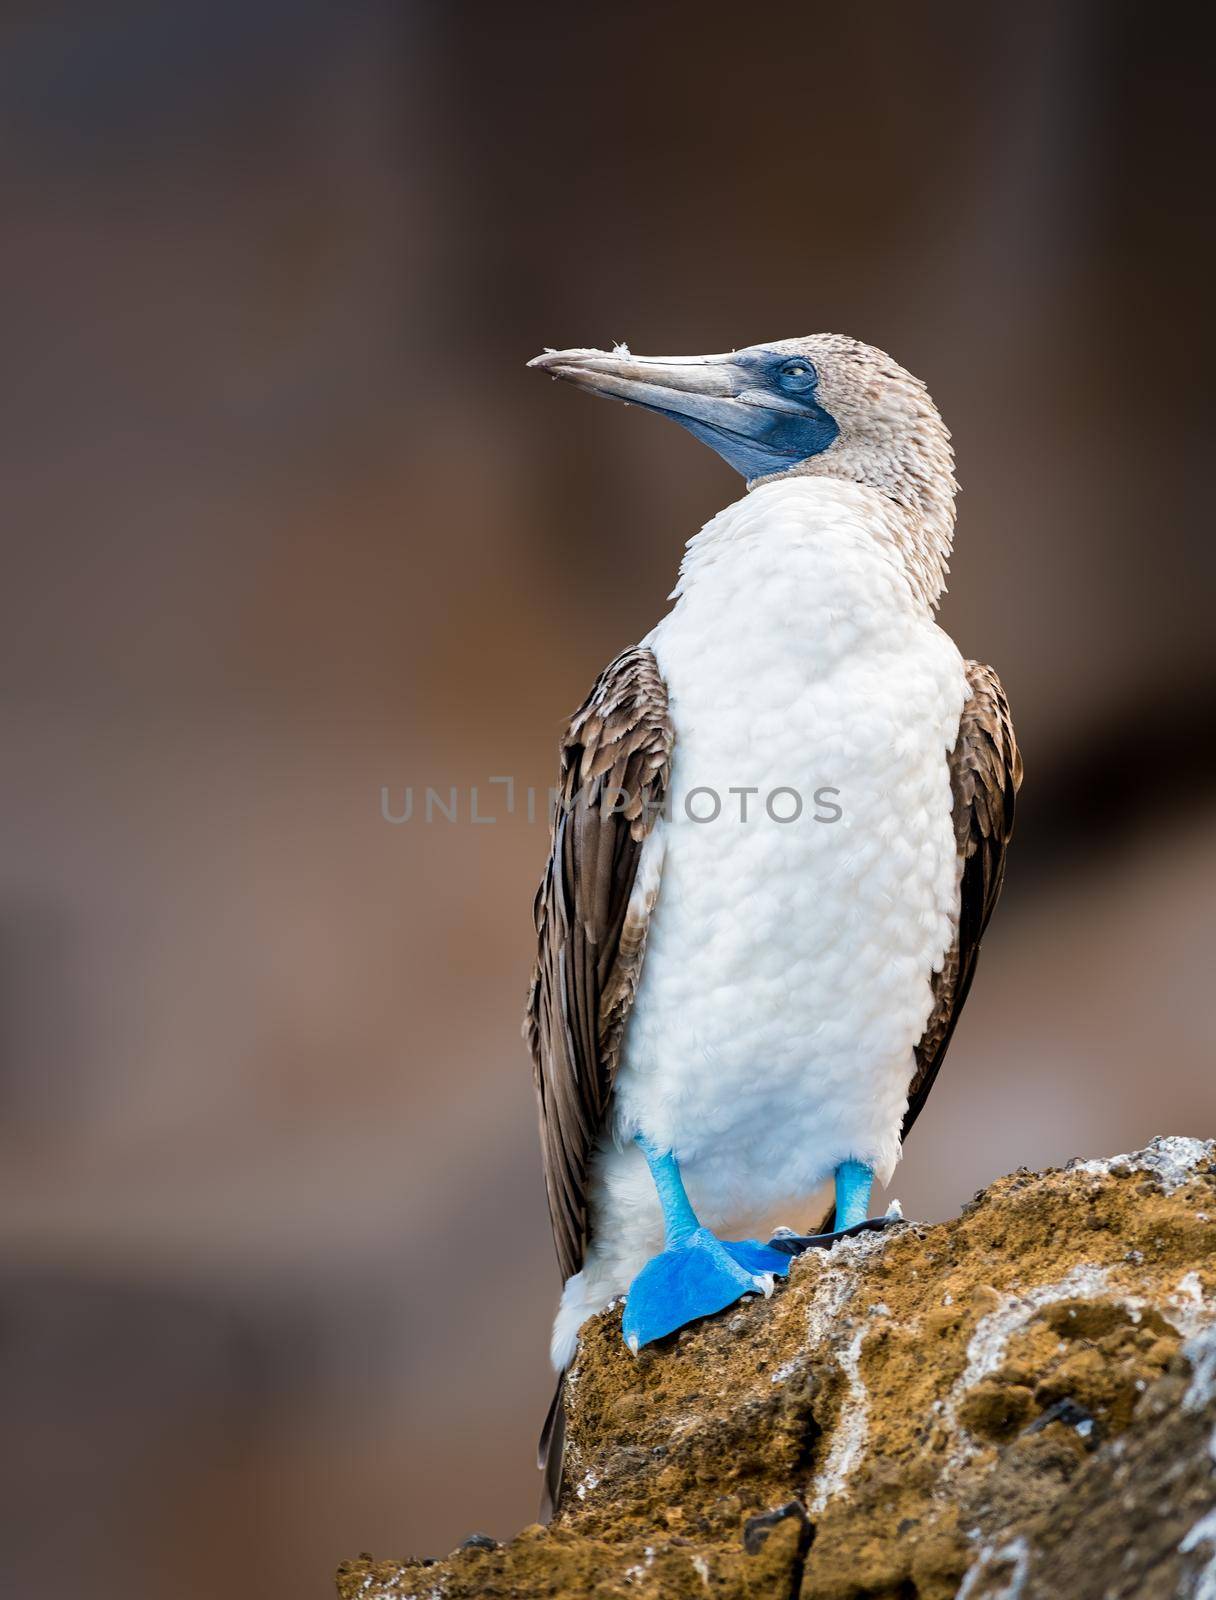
(796, 375)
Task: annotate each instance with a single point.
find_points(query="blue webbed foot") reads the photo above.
(854, 1181)
(790, 1243)
(695, 1277)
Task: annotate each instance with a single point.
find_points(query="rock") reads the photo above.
(1016, 1405)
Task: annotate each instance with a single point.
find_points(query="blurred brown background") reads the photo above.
(288, 521)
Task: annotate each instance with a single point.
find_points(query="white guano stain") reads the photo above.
(1190, 1287)
(1016, 1554)
(833, 1292)
(987, 1345)
(1171, 1158)
(1200, 1351)
(986, 1349)
(1204, 1581)
(852, 1427)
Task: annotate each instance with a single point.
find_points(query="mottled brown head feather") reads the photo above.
(891, 439)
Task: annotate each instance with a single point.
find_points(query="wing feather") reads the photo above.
(590, 926)
(985, 775)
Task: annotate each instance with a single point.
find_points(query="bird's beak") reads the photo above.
(703, 388)
(719, 399)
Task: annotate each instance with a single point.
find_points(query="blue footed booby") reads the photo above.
(780, 833)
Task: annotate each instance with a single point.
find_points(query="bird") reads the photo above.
(780, 830)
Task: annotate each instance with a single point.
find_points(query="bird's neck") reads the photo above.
(918, 486)
(814, 542)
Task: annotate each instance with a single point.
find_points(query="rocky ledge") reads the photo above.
(1016, 1405)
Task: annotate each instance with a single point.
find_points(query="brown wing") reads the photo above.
(590, 926)
(985, 774)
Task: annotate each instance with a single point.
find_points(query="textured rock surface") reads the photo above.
(1017, 1404)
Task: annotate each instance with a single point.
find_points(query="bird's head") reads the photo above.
(822, 406)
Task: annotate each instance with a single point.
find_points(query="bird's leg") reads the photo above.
(697, 1273)
(853, 1184)
(854, 1180)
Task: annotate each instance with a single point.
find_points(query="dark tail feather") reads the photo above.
(550, 1451)
(828, 1225)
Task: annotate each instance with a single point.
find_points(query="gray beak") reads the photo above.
(727, 401)
(704, 387)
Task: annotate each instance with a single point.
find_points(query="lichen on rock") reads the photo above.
(1017, 1403)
